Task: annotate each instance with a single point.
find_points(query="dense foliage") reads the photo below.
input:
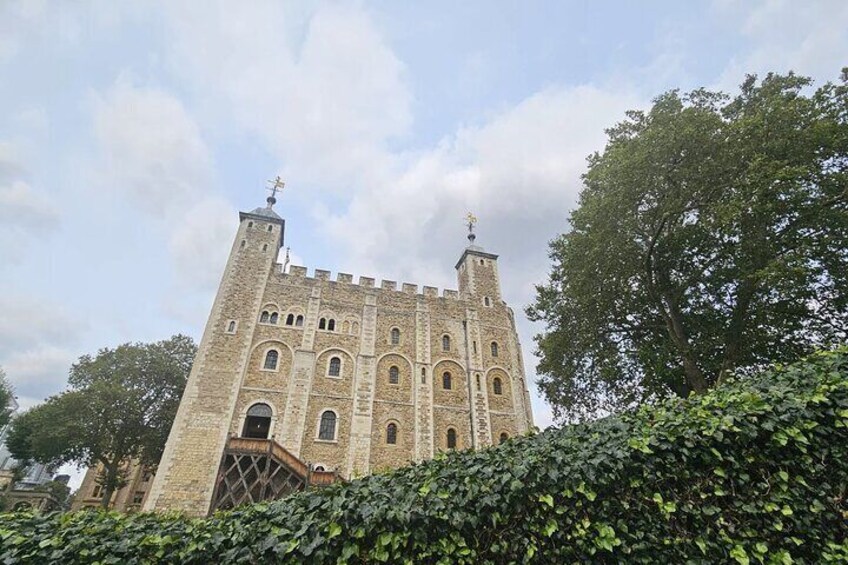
(120, 405)
(755, 471)
(7, 396)
(711, 235)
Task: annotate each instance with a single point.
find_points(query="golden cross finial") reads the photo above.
(276, 184)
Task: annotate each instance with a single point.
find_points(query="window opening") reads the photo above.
(494, 349)
(274, 317)
(271, 360)
(231, 327)
(327, 430)
(451, 438)
(257, 423)
(391, 434)
(263, 319)
(504, 437)
(395, 336)
(497, 386)
(298, 323)
(335, 367)
(394, 375)
(322, 324)
(446, 381)
(331, 325)
(445, 343)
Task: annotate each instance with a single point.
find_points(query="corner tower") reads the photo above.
(186, 476)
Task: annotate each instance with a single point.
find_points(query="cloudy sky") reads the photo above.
(131, 133)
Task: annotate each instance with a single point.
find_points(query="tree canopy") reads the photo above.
(7, 395)
(119, 406)
(711, 235)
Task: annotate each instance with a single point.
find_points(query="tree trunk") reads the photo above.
(112, 470)
(733, 337)
(695, 379)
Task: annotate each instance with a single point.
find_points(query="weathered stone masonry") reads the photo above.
(389, 346)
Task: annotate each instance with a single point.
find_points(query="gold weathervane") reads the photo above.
(275, 185)
(472, 220)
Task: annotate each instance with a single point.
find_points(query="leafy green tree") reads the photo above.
(711, 236)
(7, 395)
(120, 406)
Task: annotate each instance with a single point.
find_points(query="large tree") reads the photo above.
(7, 396)
(711, 236)
(119, 406)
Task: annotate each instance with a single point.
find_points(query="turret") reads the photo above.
(477, 271)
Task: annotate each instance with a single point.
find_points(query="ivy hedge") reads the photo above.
(754, 472)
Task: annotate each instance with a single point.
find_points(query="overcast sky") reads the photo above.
(131, 133)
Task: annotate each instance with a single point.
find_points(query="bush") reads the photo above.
(754, 472)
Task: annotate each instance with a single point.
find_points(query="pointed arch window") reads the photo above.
(446, 343)
(327, 428)
(497, 386)
(271, 359)
(335, 368)
(451, 438)
(290, 320)
(446, 381)
(257, 423)
(391, 434)
(494, 349)
(395, 336)
(274, 318)
(298, 322)
(394, 375)
(264, 317)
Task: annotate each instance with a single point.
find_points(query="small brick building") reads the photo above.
(299, 377)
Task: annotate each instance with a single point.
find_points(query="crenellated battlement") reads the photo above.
(298, 273)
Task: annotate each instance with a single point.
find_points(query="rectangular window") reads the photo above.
(97, 492)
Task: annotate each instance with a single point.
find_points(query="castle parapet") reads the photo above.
(431, 291)
(451, 294)
(388, 285)
(410, 288)
(297, 271)
(344, 278)
(367, 282)
(322, 275)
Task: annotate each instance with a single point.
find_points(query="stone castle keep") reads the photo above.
(303, 380)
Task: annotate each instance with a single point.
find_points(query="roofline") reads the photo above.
(474, 252)
(243, 215)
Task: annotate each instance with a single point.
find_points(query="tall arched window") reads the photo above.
(271, 360)
(446, 381)
(494, 349)
(322, 324)
(445, 343)
(231, 327)
(298, 322)
(497, 387)
(504, 437)
(274, 318)
(257, 423)
(331, 325)
(391, 434)
(290, 320)
(335, 368)
(451, 438)
(394, 375)
(263, 319)
(395, 336)
(327, 429)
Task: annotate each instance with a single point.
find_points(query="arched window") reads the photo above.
(494, 349)
(242, 244)
(298, 322)
(395, 336)
(322, 324)
(451, 438)
(274, 318)
(331, 325)
(445, 343)
(319, 468)
(327, 429)
(271, 360)
(394, 375)
(391, 434)
(497, 387)
(446, 381)
(231, 327)
(250, 224)
(335, 369)
(265, 247)
(290, 320)
(486, 301)
(263, 319)
(504, 437)
(257, 424)
(423, 376)
(270, 228)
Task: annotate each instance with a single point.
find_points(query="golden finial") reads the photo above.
(275, 185)
(472, 220)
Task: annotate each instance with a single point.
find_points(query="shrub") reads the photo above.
(754, 472)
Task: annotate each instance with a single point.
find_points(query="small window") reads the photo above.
(331, 326)
(298, 322)
(138, 496)
(478, 382)
(423, 376)
(446, 381)
(263, 319)
(97, 492)
(451, 438)
(274, 317)
(445, 343)
(394, 375)
(146, 477)
(319, 468)
(391, 434)
(270, 228)
(264, 247)
(271, 359)
(497, 386)
(335, 369)
(482, 261)
(474, 347)
(290, 320)
(327, 429)
(322, 324)
(494, 349)
(231, 327)
(250, 224)
(241, 246)
(486, 301)
(504, 437)
(395, 336)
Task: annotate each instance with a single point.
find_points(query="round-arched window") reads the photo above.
(394, 375)
(446, 381)
(335, 369)
(451, 438)
(257, 423)
(271, 359)
(497, 386)
(395, 337)
(391, 433)
(327, 428)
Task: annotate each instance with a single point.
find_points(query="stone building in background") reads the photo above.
(128, 498)
(303, 379)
